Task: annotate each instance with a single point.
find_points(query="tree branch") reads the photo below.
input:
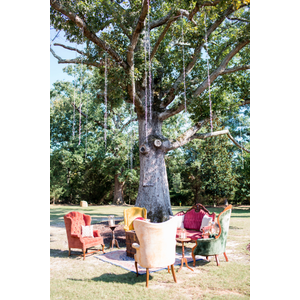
(238, 19)
(191, 135)
(127, 123)
(204, 136)
(200, 4)
(219, 71)
(75, 60)
(172, 92)
(185, 137)
(136, 33)
(245, 102)
(221, 67)
(70, 48)
(235, 69)
(87, 33)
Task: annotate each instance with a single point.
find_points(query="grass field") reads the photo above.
(73, 278)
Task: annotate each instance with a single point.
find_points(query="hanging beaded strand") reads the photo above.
(80, 94)
(241, 145)
(105, 99)
(73, 129)
(86, 127)
(183, 63)
(146, 88)
(208, 76)
(149, 54)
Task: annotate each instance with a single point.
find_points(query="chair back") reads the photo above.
(74, 220)
(130, 214)
(157, 243)
(223, 221)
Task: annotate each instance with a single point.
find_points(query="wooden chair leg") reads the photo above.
(193, 255)
(103, 248)
(225, 256)
(83, 250)
(173, 273)
(137, 270)
(168, 269)
(147, 278)
(217, 260)
(69, 251)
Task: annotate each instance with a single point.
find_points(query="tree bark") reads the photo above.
(153, 193)
(118, 191)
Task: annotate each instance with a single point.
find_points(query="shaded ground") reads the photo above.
(107, 233)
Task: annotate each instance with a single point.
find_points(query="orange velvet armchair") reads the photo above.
(73, 222)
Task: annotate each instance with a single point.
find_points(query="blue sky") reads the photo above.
(56, 70)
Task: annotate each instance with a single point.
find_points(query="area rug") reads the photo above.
(119, 258)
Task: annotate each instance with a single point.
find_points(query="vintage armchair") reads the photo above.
(130, 214)
(157, 245)
(217, 245)
(73, 222)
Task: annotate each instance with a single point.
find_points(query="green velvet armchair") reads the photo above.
(217, 245)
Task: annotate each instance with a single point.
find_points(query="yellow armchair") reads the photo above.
(130, 214)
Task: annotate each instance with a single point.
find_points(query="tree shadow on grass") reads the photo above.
(75, 254)
(127, 278)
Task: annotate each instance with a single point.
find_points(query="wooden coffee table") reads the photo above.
(183, 259)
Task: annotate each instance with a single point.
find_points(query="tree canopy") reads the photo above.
(157, 61)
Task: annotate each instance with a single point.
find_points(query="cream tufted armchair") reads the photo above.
(157, 245)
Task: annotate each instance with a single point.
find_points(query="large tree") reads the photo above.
(179, 77)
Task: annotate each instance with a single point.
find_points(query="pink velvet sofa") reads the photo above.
(191, 221)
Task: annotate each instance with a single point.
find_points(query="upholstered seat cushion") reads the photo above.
(89, 241)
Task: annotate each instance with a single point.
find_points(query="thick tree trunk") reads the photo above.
(153, 193)
(118, 191)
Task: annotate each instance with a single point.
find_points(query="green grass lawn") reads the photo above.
(73, 278)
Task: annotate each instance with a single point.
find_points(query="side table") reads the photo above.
(183, 259)
(113, 240)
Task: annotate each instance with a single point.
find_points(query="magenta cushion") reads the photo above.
(193, 220)
(138, 218)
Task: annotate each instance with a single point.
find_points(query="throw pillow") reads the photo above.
(205, 221)
(138, 218)
(179, 220)
(87, 231)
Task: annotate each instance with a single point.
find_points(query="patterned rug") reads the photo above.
(119, 258)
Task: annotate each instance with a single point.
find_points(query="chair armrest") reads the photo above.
(136, 246)
(75, 235)
(96, 233)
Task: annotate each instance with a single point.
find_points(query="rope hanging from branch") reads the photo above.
(73, 128)
(183, 63)
(80, 95)
(86, 127)
(105, 99)
(208, 76)
(149, 55)
(146, 88)
(148, 75)
(241, 148)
